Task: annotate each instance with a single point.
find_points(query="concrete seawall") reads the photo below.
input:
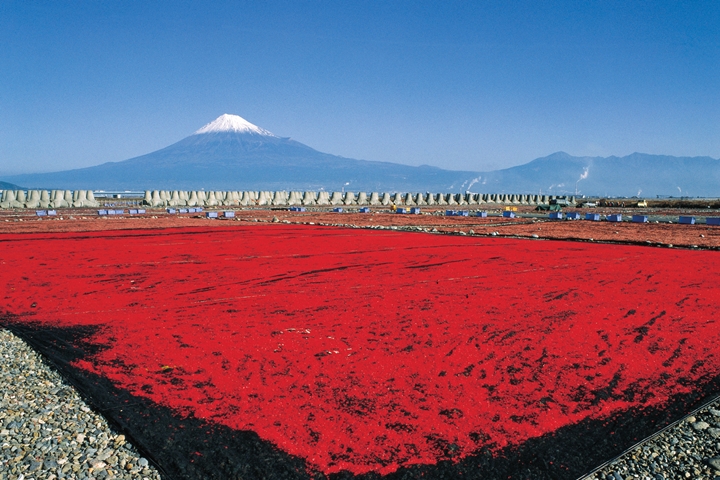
(200, 198)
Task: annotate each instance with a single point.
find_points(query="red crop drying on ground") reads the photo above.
(369, 350)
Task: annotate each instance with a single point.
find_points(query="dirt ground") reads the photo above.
(657, 234)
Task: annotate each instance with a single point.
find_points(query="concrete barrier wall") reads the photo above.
(280, 198)
(44, 199)
(323, 198)
(350, 199)
(179, 198)
(309, 198)
(33, 199)
(264, 198)
(336, 198)
(295, 198)
(9, 200)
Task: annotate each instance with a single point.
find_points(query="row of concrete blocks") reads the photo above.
(163, 198)
(48, 199)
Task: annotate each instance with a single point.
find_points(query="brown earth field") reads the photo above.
(660, 234)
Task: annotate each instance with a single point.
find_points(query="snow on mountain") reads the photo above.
(233, 123)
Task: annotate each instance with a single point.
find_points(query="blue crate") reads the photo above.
(102, 212)
(182, 210)
(555, 215)
(450, 213)
(361, 210)
(229, 214)
(133, 211)
(338, 210)
(462, 213)
(415, 210)
(639, 218)
(573, 216)
(509, 214)
(141, 210)
(170, 210)
(616, 217)
(41, 213)
(52, 212)
(402, 210)
(211, 215)
(687, 220)
(111, 212)
(297, 209)
(481, 214)
(593, 217)
(713, 221)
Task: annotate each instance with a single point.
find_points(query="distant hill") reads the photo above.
(231, 153)
(9, 186)
(638, 174)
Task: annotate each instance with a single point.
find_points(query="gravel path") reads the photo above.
(690, 449)
(48, 432)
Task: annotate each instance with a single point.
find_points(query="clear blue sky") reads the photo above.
(471, 85)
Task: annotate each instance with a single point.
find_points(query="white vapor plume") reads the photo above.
(584, 174)
(473, 182)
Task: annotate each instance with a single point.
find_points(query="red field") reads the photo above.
(365, 350)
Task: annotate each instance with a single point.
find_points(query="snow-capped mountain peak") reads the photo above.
(233, 123)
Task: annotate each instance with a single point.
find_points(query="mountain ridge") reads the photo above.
(9, 186)
(634, 174)
(231, 153)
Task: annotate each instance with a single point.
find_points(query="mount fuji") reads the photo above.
(231, 153)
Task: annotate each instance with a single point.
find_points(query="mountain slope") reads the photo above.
(233, 154)
(9, 186)
(635, 174)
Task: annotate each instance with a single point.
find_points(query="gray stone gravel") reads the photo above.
(689, 449)
(47, 432)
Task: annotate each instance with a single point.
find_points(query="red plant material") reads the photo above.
(369, 350)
